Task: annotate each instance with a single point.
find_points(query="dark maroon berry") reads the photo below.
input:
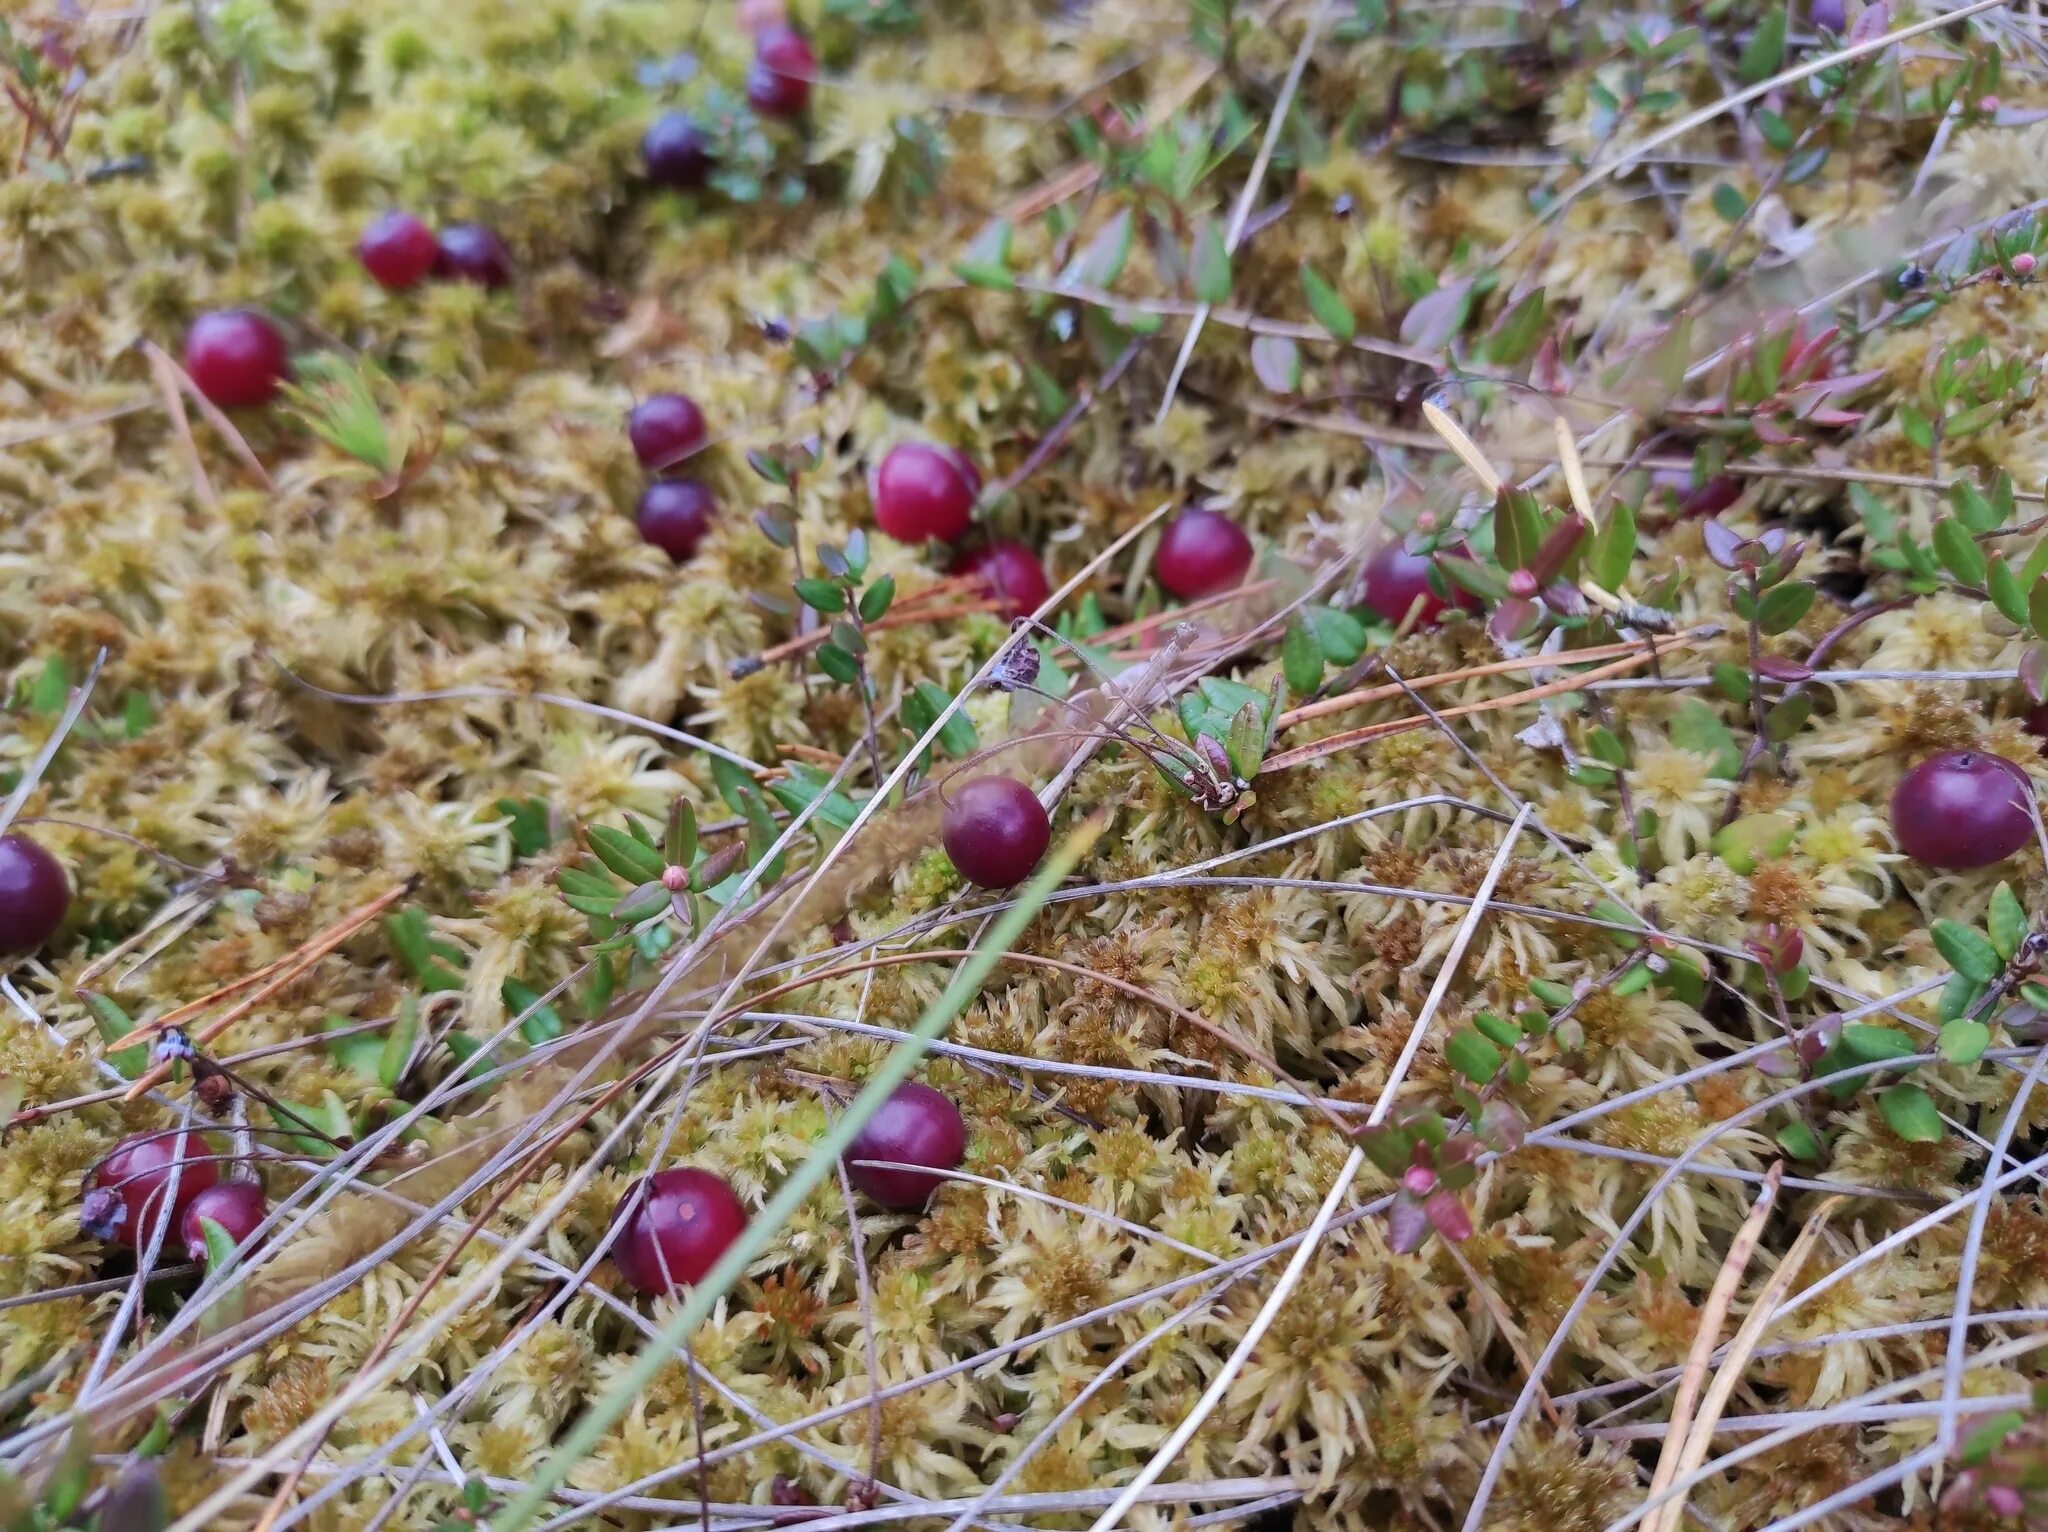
(678, 1230)
(236, 357)
(33, 894)
(398, 251)
(1394, 578)
(237, 1206)
(1011, 572)
(779, 80)
(677, 152)
(995, 830)
(1963, 808)
(923, 491)
(664, 429)
(139, 1170)
(915, 1126)
(1201, 553)
(674, 515)
(469, 252)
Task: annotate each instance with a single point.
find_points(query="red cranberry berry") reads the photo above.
(33, 894)
(674, 515)
(677, 152)
(665, 429)
(779, 80)
(678, 1230)
(138, 1171)
(1394, 578)
(398, 251)
(915, 1126)
(1201, 553)
(237, 1206)
(469, 252)
(1963, 808)
(923, 491)
(236, 358)
(1011, 572)
(995, 830)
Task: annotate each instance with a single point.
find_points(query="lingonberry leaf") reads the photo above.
(1301, 659)
(1967, 950)
(2006, 922)
(1330, 311)
(1963, 1040)
(1910, 1112)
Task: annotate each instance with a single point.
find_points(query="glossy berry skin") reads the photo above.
(469, 252)
(236, 357)
(915, 1126)
(779, 79)
(995, 830)
(1963, 808)
(33, 894)
(1394, 578)
(1011, 572)
(237, 1206)
(1201, 553)
(683, 1224)
(138, 1171)
(677, 152)
(925, 491)
(664, 429)
(398, 251)
(674, 515)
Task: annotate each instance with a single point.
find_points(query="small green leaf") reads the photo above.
(625, 855)
(1612, 549)
(1766, 50)
(986, 260)
(922, 706)
(874, 601)
(1102, 261)
(1211, 264)
(1504, 1033)
(398, 1042)
(1698, 728)
(1729, 202)
(1958, 997)
(827, 596)
(1777, 132)
(2006, 921)
(1276, 359)
(1788, 717)
(2006, 593)
(531, 832)
(1301, 659)
(421, 953)
(1797, 1140)
(1519, 528)
(1329, 310)
(114, 1024)
(543, 1022)
(1911, 1113)
(1867, 1044)
(1342, 636)
(1916, 428)
(1783, 605)
(69, 1481)
(1731, 681)
(1963, 1041)
(1519, 330)
(679, 838)
(838, 664)
(1473, 1056)
(1959, 551)
(1967, 951)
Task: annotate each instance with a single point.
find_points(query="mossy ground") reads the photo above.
(175, 158)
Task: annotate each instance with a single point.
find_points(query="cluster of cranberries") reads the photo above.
(926, 493)
(674, 514)
(675, 1224)
(678, 153)
(126, 1195)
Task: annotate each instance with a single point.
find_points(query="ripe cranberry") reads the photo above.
(683, 1225)
(674, 515)
(236, 358)
(923, 491)
(33, 894)
(995, 831)
(1963, 808)
(469, 252)
(1394, 577)
(664, 429)
(779, 80)
(1011, 572)
(237, 1206)
(138, 1171)
(1201, 553)
(398, 251)
(677, 152)
(915, 1126)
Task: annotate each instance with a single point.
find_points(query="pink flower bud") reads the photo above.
(1522, 583)
(2023, 263)
(675, 879)
(1418, 1180)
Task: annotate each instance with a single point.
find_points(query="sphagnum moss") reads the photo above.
(836, 288)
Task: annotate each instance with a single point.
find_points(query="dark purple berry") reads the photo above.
(1963, 808)
(677, 152)
(236, 358)
(1011, 572)
(398, 251)
(674, 515)
(924, 491)
(138, 1171)
(237, 1206)
(1396, 578)
(995, 830)
(664, 429)
(678, 1230)
(1201, 553)
(33, 894)
(779, 80)
(1828, 15)
(469, 252)
(915, 1126)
